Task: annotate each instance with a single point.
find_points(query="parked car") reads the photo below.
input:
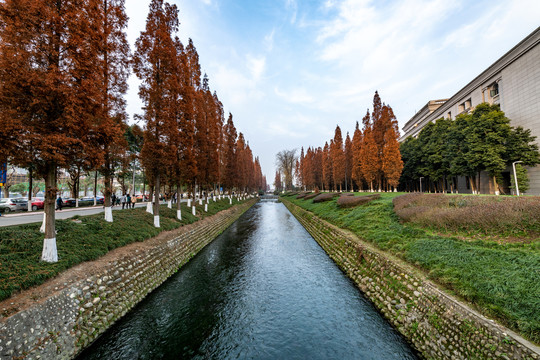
(13, 204)
(38, 203)
(68, 202)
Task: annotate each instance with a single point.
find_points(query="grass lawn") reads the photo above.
(86, 238)
(501, 279)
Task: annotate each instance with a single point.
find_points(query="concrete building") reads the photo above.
(513, 81)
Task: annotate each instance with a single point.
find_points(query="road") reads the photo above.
(66, 213)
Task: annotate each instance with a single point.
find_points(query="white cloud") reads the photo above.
(294, 96)
(293, 6)
(269, 40)
(256, 66)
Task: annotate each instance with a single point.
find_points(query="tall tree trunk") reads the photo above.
(156, 201)
(107, 193)
(95, 189)
(49, 253)
(30, 188)
(149, 207)
(178, 203)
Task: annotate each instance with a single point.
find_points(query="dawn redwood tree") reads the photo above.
(348, 162)
(47, 89)
(277, 181)
(391, 161)
(368, 154)
(301, 168)
(112, 55)
(356, 159)
(229, 153)
(326, 167)
(154, 63)
(338, 159)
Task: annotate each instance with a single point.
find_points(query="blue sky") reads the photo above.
(291, 70)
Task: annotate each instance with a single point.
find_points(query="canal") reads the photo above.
(263, 290)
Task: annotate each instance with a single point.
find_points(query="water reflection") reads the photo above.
(263, 290)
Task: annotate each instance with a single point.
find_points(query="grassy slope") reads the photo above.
(21, 245)
(503, 280)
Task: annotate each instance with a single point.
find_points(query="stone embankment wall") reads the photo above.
(437, 325)
(64, 323)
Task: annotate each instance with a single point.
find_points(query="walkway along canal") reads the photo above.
(264, 289)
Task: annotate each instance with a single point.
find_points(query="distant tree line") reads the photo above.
(482, 140)
(371, 160)
(64, 67)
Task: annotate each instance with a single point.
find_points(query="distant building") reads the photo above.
(513, 81)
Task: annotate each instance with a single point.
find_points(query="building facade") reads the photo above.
(513, 82)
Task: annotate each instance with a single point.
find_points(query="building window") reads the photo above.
(449, 115)
(461, 108)
(468, 104)
(494, 90)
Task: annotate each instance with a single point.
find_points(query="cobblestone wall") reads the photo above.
(437, 325)
(63, 324)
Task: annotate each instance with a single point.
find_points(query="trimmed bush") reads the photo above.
(311, 196)
(324, 197)
(302, 195)
(489, 215)
(352, 201)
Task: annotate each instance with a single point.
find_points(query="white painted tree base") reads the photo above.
(108, 214)
(49, 253)
(156, 221)
(179, 214)
(42, 228)
(193, 210)
(149, 208)
(188, 202)
(200, 201)
(169, 204)
(205, 207)
(230, 201)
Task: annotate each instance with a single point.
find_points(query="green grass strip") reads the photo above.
(502, 280)
(89, 239)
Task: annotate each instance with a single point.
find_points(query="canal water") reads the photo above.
(263, 290)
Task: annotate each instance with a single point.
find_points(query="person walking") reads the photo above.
(59, 203)
(113, 200)
(124, 198)
(133, 201)
(128, 201)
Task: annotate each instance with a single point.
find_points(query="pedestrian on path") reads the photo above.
(113, 200)
(133, 201)
(124, 198)
(128, 201)
(59, 203)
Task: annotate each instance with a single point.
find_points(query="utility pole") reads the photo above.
(515, 176)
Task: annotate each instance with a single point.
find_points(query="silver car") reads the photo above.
(13, 204)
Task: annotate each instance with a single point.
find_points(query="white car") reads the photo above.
(13, 204)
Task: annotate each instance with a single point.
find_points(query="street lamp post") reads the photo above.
(515, 176)
(421, 183)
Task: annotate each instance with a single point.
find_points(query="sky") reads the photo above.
(290, 71)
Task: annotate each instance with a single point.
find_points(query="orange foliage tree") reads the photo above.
(48, 92)
(370, 158)
(154, 63)
(337, 156)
